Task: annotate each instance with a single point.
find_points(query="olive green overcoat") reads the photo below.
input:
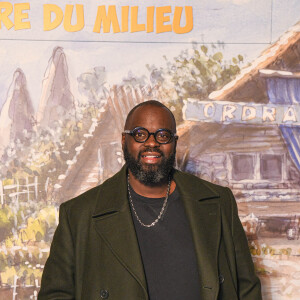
(95, 254)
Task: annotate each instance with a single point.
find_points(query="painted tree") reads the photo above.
(93, 84)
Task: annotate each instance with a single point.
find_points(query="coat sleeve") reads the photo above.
(58, 276)
(248, 284)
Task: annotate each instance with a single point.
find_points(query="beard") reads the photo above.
(150, 174)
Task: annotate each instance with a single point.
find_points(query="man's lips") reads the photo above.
(150, 157)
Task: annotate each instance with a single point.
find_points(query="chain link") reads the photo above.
(161, 211)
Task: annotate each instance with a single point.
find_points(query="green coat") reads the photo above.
(95, 251)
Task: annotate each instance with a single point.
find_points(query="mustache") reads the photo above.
(147, 150)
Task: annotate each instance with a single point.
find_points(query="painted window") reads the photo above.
(242, 166)
(271, 166)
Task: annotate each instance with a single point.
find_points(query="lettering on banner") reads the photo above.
(237, 112)
(209, 110)
(248, 113)
(20, 15)
(228, 111)
(108, 18)
(269, 114)
(290, 115)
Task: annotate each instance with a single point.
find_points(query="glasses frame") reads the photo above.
(131, 132)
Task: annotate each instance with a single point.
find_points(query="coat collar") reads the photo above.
(113, 221)
(193, 188)
(112, 195)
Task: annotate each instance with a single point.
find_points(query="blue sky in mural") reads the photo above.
(245, 27)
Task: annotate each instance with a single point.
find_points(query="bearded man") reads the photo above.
(150, 231)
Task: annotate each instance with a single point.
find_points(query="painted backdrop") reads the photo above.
(228, 69)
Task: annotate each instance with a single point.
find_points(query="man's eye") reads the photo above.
(164, 135)
(139, 134)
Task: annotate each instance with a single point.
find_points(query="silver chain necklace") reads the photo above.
(161, 211)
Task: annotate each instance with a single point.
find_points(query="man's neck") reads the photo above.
(153, 191)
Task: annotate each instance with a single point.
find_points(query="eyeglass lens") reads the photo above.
(161, 136)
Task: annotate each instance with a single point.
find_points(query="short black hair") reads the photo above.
(150, 103)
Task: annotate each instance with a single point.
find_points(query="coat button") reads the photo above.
(104, 294)
(221, 279)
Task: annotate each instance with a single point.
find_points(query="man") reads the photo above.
(150, 231)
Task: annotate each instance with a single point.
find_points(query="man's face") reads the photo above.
(150, 162)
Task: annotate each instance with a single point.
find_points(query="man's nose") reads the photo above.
(151, 142)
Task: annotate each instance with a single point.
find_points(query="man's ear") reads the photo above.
(123, 140)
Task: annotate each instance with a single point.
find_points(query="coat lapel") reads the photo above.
(205, 221)
(113, 222)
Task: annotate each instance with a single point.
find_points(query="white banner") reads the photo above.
(239, 112)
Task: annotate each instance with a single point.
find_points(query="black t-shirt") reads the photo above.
(167, 249)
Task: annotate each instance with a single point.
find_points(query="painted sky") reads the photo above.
(245, 27)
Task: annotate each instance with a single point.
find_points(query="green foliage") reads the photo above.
(6, 222)
(204, 49)
(241, 58)
(195, 73)
(218, 57)
(2, 262)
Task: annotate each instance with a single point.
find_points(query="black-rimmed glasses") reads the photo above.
(162, 136)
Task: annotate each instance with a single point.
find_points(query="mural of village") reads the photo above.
(68, 146)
